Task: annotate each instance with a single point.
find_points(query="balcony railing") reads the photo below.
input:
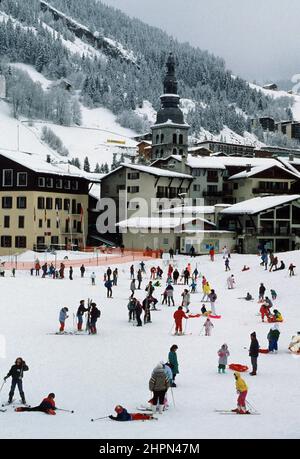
(271, 191)
(212, 193)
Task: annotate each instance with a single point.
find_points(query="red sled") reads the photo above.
(238, 367)
(263, 351)
(194, 316)
(214, 317)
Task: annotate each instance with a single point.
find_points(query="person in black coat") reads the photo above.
(16, 373)
(80, 313)
(94, 316)
(253, 353)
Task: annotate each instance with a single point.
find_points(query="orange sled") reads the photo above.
(238, 367)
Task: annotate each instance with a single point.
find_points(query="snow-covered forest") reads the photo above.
(119, 82)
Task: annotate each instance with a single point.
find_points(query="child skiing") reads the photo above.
(16, 373)
(208, 325)
(80, 313)
(63, 315)
(47, 406)
(173, 363)
(242, 390)
(273, 337)
(158, 384)
(223, 354)
(231, 282)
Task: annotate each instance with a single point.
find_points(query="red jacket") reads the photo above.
(48, 404)
(179, 315)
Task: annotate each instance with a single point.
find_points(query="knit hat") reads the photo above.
(118, 409)
(253, 334)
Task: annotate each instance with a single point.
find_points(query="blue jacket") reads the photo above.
(123, 416)
(62, 315)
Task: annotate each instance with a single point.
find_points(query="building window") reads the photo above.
(196, 187)
(22, 179)
(212, 176)
(7, 202)
(58, 204)
(49, 203)
(21, 202)
(48, 223)
(133, 175)
(40, 240)
(41, 203)
(67, 184)
(133, 189)
(74, 206)
(75, 185)
(74, 224)
(5, 241)
(54, 240)
(175, 139)
(67, 205)
(162, 138)
(174, 151)
(20, 242)
(41, 182)
(6, 221)
(7, 177)
(180, 139)
(59, 183)
(49, 182)
(157, 138)
(21, 221)
(40, 223)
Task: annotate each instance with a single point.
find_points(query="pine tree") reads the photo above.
(86, 165)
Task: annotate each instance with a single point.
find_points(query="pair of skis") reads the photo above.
(234, 412)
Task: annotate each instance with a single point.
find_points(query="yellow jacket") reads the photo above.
(206, 289)
(240, 384)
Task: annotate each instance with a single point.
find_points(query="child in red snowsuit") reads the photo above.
(178, 316)
(47, 406)
(264, 311)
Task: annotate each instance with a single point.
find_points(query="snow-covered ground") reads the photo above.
(91, 374)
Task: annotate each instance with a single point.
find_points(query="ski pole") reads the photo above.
(173, 397)
(171, 329)
(186, 322)
(201, 330)
(2, 385)
(66, 411)
(98, 419)
(252, 408)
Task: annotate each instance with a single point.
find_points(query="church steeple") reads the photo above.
(170, 132)
(170, 81)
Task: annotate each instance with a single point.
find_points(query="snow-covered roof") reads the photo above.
(152, 170)
(256, 205)
(204, 162)
(190, 210)
(95, 191)
(159, 223)
(257, 169)
(34, 162)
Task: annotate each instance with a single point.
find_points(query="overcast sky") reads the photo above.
(259, 39)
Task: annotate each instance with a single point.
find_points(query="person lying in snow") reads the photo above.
(123, 415)
(47, 406)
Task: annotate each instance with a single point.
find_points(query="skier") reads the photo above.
(276, 317)
(80, 313)
(186, 275)
(203, 310)
(231, 282)
(71, 273)
(208, 327)
(242, 390)
(213, 298)
(192, 252)
(82, 270)
(227, 267)
(131, 308)
(171, 253)
(193, 286)
(123, 415)
(139, 278)
(63, 315)
(131, 272)
(94, 316)
(61, 270)
(16, 373)
(273, 337)
(261, 292)
(150, 289)
(291, 269)
(47, 406)
(206, 291)
(173, 363)
(249, 297)
(146, 308)
(245, 268)
(223, 354)
(138, 312)
(264, 311)
(178, 316)
(175, 276)
(108, 285)
(195, 274)
(93, 278)
(115, 277)
(158, 384)
(170, 271)
(273, 294)
(37, 268)
(186, 300)
(225, 252)
(253, 353)
(281, 267)
(212, 253)
(108, 273)
(142, 265)
(132, 287)
(164, 297)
